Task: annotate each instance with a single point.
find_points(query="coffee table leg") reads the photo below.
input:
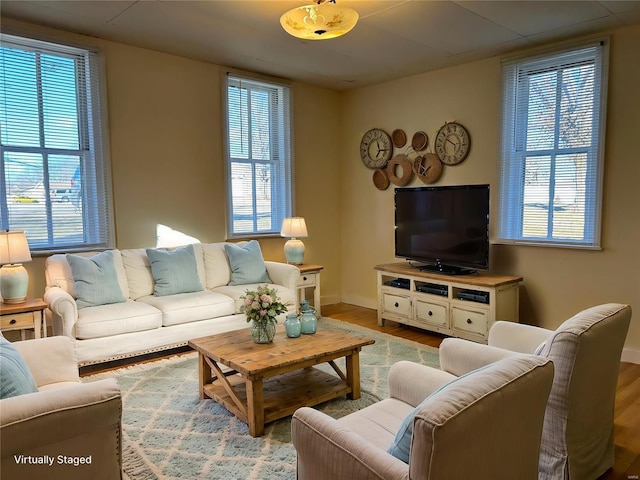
(353, 375)
(255, 407)
(204, 374)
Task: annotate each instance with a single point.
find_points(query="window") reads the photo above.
(54, 177)
(552, 148)
(258, 156)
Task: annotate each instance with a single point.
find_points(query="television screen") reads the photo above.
(445, 227)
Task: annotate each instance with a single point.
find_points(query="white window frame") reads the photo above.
(94, 196)
(513, 141)
(279, 159)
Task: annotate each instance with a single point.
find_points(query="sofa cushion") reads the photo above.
(190, 307)
(287, 297)
(58, 272)
(174, 271)
(15, 377)
(216, 265)
(117, 318)
(247, 264)
(95, 280)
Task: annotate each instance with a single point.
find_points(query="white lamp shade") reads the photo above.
(14, 248)
(319, 22)
(294, 227)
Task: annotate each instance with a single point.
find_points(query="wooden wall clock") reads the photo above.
(376, 148)
(427, 167)
(452, 143)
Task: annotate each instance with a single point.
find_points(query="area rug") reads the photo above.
(169, 433)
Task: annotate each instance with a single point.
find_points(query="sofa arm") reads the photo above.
(328, 451)
(64, 311)
(50, 360)
(411, 382)
(283, 274)
(517, 337)
(78, 421)
(459, 356)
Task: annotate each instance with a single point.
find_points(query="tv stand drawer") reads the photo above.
(469, 321)
(431, 313)
(397, 305)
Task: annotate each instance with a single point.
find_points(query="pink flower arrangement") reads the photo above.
(262, 305)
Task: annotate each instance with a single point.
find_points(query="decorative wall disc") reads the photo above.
(427, 167)
(399, 138)
(403, 162)
(420, 141)
(380, 179)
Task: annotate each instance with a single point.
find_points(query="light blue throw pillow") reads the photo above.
(247, 264)
(15, 377)
(95, 280)
(174, 271)
(401, 445)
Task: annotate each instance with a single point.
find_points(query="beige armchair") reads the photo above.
(486, 425)
(577, 440)
(66, 430)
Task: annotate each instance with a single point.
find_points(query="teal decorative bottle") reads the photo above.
(293, 326)
(308, 320)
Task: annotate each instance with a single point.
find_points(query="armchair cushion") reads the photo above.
(95, 280)
(401, 445)
(174, 271)
(247, 263)
(15, 378)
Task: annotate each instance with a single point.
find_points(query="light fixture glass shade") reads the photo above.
(294, 227)
(319, 21)
(14, 279)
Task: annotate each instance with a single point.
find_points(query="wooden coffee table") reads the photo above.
(262, 383)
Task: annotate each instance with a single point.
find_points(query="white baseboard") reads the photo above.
(630, 355)
(360, 302)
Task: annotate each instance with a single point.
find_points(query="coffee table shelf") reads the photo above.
(283, 394)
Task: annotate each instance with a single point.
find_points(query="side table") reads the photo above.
(309, 278)
(24, 316)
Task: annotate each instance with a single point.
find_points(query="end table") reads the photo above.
(309, 278)
(24, 316)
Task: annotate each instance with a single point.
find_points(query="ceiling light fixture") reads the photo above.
(319, 21)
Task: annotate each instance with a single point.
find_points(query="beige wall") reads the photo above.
(167, 162)
(557, 282)
(166, 150)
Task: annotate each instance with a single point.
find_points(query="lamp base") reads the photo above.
(14, 283)
(294, 251)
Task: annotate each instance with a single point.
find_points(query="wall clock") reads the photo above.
(428, 167)
(452, 143)
(376, 148)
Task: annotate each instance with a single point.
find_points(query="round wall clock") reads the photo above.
(376, 148)
(427, 167)
(452, 143)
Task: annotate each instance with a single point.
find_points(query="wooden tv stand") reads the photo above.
(464, 306)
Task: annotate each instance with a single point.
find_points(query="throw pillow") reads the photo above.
(174, 271)
(15, 377)
(95, 280)
(247, 264)
(401, 445)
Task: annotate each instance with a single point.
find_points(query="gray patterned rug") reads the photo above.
(169, 433)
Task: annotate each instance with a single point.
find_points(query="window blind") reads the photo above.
(259, 156)
(54, 175)
(552, 144)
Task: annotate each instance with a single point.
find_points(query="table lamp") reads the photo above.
(14, 279)
(294, 248)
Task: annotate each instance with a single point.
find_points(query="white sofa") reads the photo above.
(144, 322)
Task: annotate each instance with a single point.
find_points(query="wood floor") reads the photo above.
(627, 409)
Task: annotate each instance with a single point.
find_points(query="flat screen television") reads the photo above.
(445, 229)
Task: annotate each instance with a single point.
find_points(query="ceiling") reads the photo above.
(393, 39)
